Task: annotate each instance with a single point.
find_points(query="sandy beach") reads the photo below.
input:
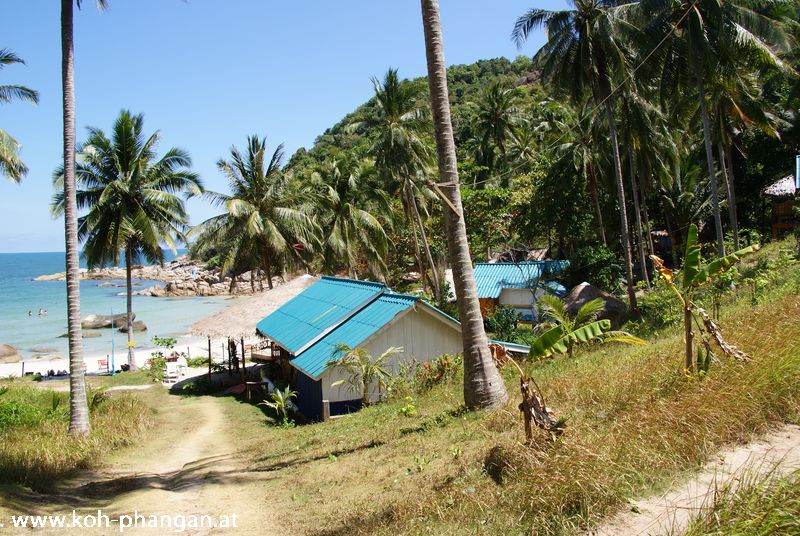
(238, 319)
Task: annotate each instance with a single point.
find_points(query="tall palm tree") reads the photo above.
(404, 155)
(584, 52)
(267, 220)
(78, 405)
(494, 126)
(700, 37)
(483, 385)
(348, 202)
(132, 197)
(10, 163)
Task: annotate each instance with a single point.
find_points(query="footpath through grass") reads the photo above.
(635, 423)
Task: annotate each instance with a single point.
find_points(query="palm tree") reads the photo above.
(700, 37)
(483, 385)
(404, 155)
(132, 197)
(79, 407)
(494, 126)
(10, 163)
(583, 52)
(267, 220)
(346, 200)
(362, 369)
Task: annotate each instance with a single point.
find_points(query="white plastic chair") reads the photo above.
(173, 372)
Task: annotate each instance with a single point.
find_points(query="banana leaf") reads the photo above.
(718, 266)
(691, 261)
(586, 333)
(542, 346)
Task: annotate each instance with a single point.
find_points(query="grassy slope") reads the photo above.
(635, 423)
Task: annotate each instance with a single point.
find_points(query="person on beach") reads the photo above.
(30, 313)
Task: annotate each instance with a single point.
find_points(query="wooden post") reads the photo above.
(326, 410)
(209, 360)
(242, 362)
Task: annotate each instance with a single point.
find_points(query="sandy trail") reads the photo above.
(191, 468)
(671, 513)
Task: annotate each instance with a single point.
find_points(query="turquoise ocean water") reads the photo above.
(166, 317)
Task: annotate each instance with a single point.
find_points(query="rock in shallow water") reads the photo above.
(104, 321)
(137, 326)
(9, 354)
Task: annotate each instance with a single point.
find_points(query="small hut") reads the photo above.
(517, 284)
(784, 196)
(308, 329)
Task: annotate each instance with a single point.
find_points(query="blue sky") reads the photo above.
(208, 73)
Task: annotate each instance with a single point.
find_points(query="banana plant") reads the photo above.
(694, 275)
(565, 331)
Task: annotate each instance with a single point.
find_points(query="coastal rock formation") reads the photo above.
(9, 354)
(137, 326)
(613, 309)
(105, 321)
(86, 335)
(182, 277)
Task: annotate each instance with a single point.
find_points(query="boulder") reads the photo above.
(86, 335)
(137, 326)
(613, 310)
(43, 350)
(9, 354)
(104, 321)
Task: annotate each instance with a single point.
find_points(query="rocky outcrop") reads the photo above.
(613, 308)
(105, 321)
(9, 354)
(182, 277)
(137, 326)
(85, 334)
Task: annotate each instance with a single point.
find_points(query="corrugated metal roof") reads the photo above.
(353, 332)
(492, 278)
(319, 307)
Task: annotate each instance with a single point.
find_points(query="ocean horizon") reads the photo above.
(37, 336)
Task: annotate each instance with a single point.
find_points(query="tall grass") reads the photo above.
(35, 448)
(754, 506)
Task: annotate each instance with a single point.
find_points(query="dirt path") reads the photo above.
(670, 513)
(190, 468)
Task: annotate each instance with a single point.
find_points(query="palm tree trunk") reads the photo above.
(483, 385)
(623, 213)
(639, 239)
(78, 405)
(129, 307)
(598, 214)
(727, 168)
(268, 272)
(712, 176)
(427, 246)
(417, 253)
(650, 246)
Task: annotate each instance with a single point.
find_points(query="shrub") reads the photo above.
(597, 265)
(435, 372)
(502, 323)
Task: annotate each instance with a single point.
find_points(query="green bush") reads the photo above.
(597, 265)
(502, 323)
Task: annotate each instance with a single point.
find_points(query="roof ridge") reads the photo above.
(354, 281)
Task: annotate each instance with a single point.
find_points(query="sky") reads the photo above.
(206, 74)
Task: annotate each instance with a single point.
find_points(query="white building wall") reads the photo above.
(521, 299)
(422, 336)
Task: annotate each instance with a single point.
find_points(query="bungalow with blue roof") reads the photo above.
(361, 314)
(517, 285)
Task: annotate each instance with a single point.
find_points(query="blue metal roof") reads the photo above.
(492, 278)
(321, 306)
(353, 332)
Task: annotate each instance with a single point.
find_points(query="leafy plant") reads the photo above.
(435, 372)
(565, 331)
(503, 323)
(409, 409)
(693, 276)
(363, 370)
(279, 401)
